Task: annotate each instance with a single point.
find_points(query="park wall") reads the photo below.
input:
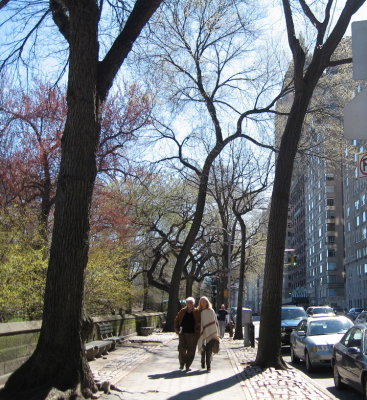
(19, 339)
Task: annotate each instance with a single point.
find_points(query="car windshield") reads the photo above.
(322, 310)
(328, 327)
(356, 310)
(293, 313)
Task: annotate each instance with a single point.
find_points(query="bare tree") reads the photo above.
(197, 47)
(305, 78)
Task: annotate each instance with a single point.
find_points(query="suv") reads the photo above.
(291, 316)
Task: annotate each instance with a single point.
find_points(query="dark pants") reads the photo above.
(207, 354)
(186, 348)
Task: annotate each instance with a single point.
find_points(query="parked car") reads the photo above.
(314, 338)
(291, 315)
(350, 359)
(316, 310)
(353, 313)
(361, 318)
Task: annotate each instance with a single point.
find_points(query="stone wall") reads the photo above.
(18, 339)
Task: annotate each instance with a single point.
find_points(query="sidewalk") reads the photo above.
(147, 368)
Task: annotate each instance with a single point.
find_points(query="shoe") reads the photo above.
(181, 366)
(188, 369)
(208, 369)
(202, 365)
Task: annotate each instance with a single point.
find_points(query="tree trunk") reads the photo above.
(59, 360)
(189, 283)
(269, 349)
(146, 291)
(238, 334)
(190, 238)
(305, 80)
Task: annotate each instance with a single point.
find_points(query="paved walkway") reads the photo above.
(147, 368)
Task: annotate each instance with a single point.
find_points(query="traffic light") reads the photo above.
(294, 261)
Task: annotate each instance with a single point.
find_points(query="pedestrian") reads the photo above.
(222, 320)
(187, 326)
(208, 332)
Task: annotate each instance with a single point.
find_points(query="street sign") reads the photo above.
(362, 165)
(359, 49)
(355, 117)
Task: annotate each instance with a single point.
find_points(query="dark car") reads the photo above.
(353, 313)
(291, 316)
(349, 359)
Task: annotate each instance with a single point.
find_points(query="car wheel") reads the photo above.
(337, 379)
(309, 366)
(294, 358)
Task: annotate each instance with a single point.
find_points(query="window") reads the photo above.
(331, 253)
(330, 201)
(329, 177)
(330, 226)
(330, 214)
(331, 239)
(331, 266)
(353, 339)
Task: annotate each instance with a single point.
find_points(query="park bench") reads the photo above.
(106, 333)
(97, 348)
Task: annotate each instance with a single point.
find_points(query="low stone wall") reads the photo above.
(19, 339)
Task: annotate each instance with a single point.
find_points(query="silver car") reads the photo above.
(314, 338)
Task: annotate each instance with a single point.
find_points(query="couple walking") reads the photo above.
(196, 326)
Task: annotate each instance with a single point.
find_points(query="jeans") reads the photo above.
(222, 328)
(207, 354)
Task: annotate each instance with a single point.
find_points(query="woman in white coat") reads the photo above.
(209, 332)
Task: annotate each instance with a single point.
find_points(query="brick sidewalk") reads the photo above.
(256, 383)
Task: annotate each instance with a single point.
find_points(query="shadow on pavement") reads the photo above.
(176, 374)
(208, 389)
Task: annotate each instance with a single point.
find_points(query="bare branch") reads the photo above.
(60, 17)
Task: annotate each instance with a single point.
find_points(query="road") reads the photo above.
(323, 376)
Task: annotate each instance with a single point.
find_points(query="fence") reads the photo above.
(19, 339)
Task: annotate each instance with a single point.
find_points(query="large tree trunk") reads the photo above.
(59, 360)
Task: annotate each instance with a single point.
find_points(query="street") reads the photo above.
(323, 376)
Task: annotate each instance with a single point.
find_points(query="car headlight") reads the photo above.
(321, 347)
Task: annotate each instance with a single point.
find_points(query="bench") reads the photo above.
(106, 333)
(97, 348)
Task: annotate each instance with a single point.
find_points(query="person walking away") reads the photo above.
(187, 326)
(208, 332)
(222, 320)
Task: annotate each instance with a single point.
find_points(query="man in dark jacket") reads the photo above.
(187, 326)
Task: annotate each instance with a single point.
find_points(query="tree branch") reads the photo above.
(60, 17)
(113, 60)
